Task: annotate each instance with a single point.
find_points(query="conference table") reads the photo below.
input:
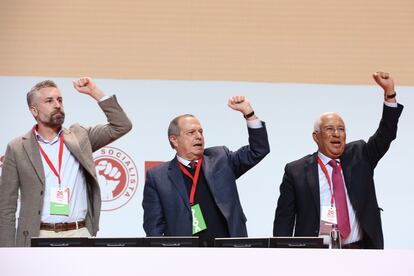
(203, 261)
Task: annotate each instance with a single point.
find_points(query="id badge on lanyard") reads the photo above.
(198, 222)
(59, 197)
(328, 218)
(328, 212)
(59, 201)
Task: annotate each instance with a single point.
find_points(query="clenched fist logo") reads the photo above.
(111, 177)
(117, 176)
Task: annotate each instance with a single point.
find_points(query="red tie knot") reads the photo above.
(333, 163)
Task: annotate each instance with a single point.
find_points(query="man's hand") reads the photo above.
(86, 85)
(242, 104)
(384, 80)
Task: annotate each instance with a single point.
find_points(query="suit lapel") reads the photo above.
(32, 150)
(312, 177)
(207, 168)
(176, 177)
(71, 142)
(346, 166)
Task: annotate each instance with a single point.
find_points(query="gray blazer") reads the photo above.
(23, 170)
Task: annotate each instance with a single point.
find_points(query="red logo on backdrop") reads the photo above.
(151, 164)
(117, 176)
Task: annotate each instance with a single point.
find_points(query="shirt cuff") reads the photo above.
(254, 123)
(104, 98)
(390, 104)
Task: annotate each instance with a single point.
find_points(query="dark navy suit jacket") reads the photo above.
(298, 207)
(166, 202)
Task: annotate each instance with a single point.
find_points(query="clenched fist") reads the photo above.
(384, 80)
(109, 178)
(242, 104)
(87, 86)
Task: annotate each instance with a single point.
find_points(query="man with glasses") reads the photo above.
(334, 187)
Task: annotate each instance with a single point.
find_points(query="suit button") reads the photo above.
(39, 212)
(41, 192)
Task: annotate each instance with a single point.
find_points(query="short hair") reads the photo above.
(317, 124)
(174, 128)
(32, 93)
(318, 121)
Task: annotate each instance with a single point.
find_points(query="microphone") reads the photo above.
(25, 234)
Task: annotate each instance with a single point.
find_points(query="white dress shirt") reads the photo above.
(325, 199)
(72, 177)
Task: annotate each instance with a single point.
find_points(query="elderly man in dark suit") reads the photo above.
(335, 185)
(195, 193)
(54, 169)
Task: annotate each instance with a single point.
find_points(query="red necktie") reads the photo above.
(340, 200)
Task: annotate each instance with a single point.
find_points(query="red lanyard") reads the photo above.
(325, 171)
(47, 158)
(194, 179)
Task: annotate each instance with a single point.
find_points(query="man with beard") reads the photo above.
(335, 186)
(195, 193)
(54, 169)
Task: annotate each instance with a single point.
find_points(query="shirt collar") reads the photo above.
(325, 159)
(39, 138)
(185, 162)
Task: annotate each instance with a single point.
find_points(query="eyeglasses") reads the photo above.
(331, 129)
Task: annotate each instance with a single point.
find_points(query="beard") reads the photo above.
(54, 120)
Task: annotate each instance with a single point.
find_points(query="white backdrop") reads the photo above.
(289, 111)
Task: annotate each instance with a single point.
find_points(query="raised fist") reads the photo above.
(242, 104)
(384, 80)
(87, 86)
